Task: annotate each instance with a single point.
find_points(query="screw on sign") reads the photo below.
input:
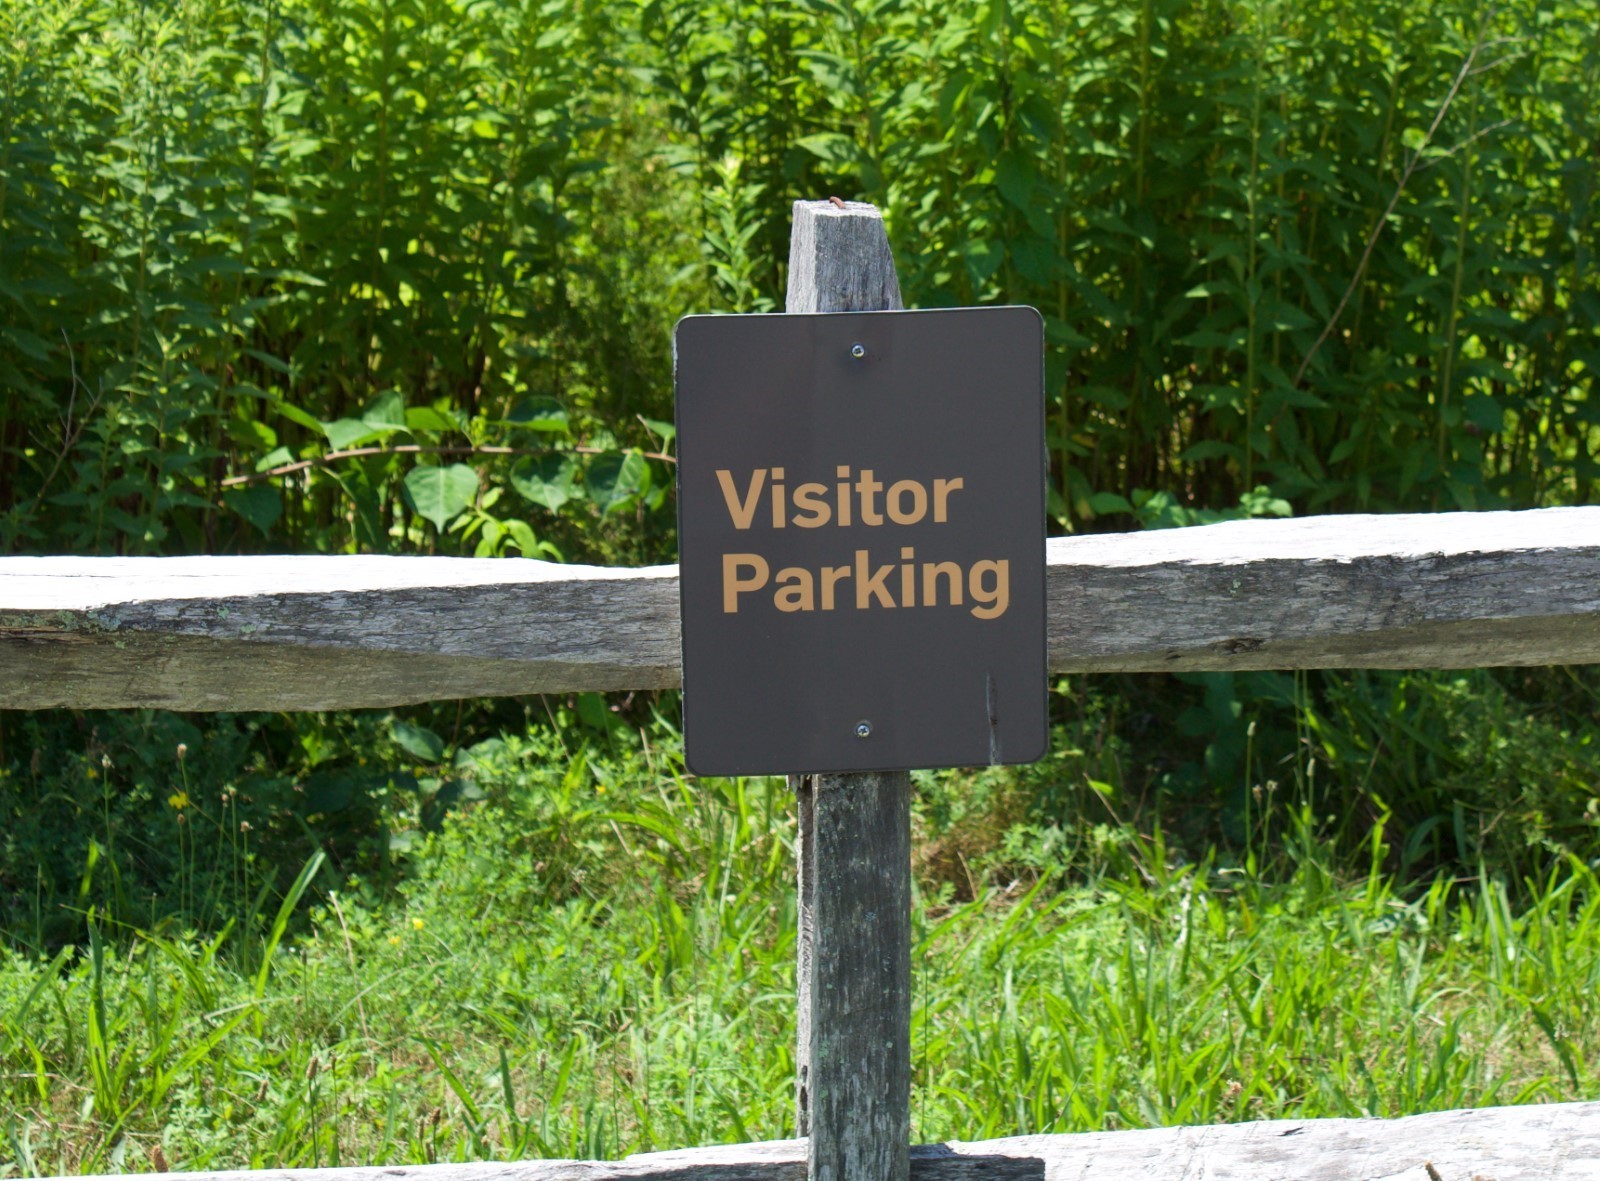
(861, 530)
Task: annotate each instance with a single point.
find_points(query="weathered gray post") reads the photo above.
(853, 1093)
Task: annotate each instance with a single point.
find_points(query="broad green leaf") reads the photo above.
(260, 504)
(666, 430)
(983, 257)
(539, 414)
(595, 712)
(427, 419)
(615, 481)
(524, 538)
(27, 342)
(346, 433)
(387, 412)
(480, 753)
(1036, 257)
(1058, 331)
(831, 147)
(1210, 339)
(441, 493)
(548, 481)
(1109, 502)
(251, 433)
(274, 363)
(418, 740)
(1485, 413)
(274, 458)
(1208, 449)
(1344, 449)
(1014, 177)
(490, 532)
(295, 414)
(1259, 502)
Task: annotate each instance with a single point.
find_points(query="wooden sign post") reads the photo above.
(861, 547)
(853, 1093)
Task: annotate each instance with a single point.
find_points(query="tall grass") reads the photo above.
(598, 959)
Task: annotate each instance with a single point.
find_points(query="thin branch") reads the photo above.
(1498, 62)
(412, 449)
(1477, 135)
(646, 425)
(69, 436)
(1383, 219)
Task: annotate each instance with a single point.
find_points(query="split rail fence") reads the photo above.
(1450, 590)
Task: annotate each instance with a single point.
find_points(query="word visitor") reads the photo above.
(861, 583)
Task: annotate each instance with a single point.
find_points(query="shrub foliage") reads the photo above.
(1346, 251)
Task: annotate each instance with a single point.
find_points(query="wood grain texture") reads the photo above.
(1448, 590)
(839, 259)
(325, 632)
(853, 1053)
(1552, 1142)
(805, 853)
(857, 1009)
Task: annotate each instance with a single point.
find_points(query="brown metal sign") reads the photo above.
(861, 540)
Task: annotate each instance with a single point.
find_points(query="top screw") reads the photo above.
(863, 729)
(858, 351)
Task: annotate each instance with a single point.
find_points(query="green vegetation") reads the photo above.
(597, 958)
(553, 942)
(399, 275)
(1343, 250)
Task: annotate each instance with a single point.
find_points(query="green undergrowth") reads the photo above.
(589, 953)
(192, 820)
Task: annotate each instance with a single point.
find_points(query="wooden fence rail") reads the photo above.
(1448, 590)
(1554, 1142)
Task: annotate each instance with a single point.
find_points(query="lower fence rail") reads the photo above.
(1548, 1142)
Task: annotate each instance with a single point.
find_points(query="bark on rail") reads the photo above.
(1557, 1142)
(1451, 590)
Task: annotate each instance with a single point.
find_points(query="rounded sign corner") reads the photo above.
(695, 768)
(1038, 316)
(1035, 753)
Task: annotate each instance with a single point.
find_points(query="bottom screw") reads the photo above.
(863, 729)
